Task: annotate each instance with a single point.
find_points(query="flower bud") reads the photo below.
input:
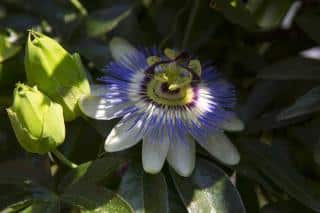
(57, 73)
(37, 121)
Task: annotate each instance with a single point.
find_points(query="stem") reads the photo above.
(77, 4)
(63, 159)
(190, 23)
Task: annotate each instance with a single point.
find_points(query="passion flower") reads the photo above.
(169, 100)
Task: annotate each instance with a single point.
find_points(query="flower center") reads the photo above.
(171, 80)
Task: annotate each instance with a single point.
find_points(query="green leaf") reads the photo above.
(308, 22)
(92, 171)
(306, 104)
(146, 193)
(292, 68)
(93, 198)
(17, 206)
(33, 179)
(19, 172)
(269, 13)
(235, 12)
(49, 10)
(260, 97)
(274, 162)
(103, 21)
(208, 190)
(94, 50)
(43, 207)
(284, 206)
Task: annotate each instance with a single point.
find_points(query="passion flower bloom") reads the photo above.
(169, 100)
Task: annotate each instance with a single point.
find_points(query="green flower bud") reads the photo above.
(56, 72)
(37, 121)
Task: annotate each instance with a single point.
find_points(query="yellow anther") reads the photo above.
(195, 65)
(170, 53)
(151, 60)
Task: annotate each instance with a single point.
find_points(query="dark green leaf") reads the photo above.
(307, 22)
(260, 97)
(175, 203)
(247, 190)
(146, 193)
(274, 162)
(43, 207)
(269, 13)
(285, 206)
(103, 21)
(271, 121)
(93, 50)
(19, 172)
(93, 171)
(292, 68)
(308, 103)
(235, 12)
(208, 190)
(92, 198)
(51, 11)
(17, 206)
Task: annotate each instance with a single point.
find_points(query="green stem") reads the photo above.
(62, 158)
(77, 4)
(190, 23)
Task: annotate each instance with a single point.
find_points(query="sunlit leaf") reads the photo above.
(17, 206)
(92, 198)
(269, 13)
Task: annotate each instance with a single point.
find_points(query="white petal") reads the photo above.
(98, 90)
(219, 145)
(312, 53)
(181, 156)
(123, 136)
(100, 108)
(120, 48)
(232, 123)
(154, 153)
